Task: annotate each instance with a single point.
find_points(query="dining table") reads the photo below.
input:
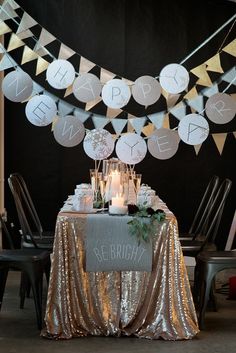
(150, 300)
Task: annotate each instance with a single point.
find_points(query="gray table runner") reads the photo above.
(110, 247)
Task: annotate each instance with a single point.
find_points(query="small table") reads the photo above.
(156, 304)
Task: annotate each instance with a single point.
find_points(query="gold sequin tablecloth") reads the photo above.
(152, 305)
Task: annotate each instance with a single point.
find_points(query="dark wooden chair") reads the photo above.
(33, 263)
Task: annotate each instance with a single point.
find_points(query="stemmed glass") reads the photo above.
(102, 186)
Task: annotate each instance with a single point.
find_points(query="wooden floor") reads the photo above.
(18, 332)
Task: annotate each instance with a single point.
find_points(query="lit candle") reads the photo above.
(115, 183)
(117, 201)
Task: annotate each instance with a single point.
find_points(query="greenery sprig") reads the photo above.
(143, 223)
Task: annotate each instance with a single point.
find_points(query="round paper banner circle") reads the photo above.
(60, 74)
(116, 94)
(17, 86)
(40, 110)
(174, 78)
(69, 131)
(87, 87)
(163, 143)
(220, 108)
(98, 144)
(193, 129)
(131, 148)
(146, 90)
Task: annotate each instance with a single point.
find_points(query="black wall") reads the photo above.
(130, 38)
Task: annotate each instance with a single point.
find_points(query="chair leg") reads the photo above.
(208, 274)
(3, 279)
(36, 281)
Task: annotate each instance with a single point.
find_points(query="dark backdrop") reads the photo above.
(130, 38)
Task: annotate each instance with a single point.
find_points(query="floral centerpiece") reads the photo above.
(143, 223)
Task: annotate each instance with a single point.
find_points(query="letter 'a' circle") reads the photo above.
(116, 94)
(193, 129)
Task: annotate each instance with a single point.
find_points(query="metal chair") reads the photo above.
(202, 210)
(208, 264)
(32, 262)
(27, 218)
(205, 238)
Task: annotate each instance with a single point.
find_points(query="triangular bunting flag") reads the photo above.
(214, 64)
(148, 129)
(92, 104)
(13, 4)
(234, 133)
(166, 122)
(231, 48)
(112, 113)
(45, 38)
(129, 125)
(42, 65)
(229, 76)
(208, 92)
(65, 52)
(118, 125)
(7, 12)
(81, 114)
(26, 22)
(197, 148)
(99, 121)
(179, 111)
(28, 55)
(233, 95)
(68, 91)
(128, 82)
(6, 63)
(191, 94)
(138, 124)
(85, 65)
(220, 141)
(201, 73)
(157, 119)
(14, 42)
(55, 119)
(25, 34)
(64, 108)
(4, 28)
(196, 103)
(42, 51)
(106, 76)
(172, 99)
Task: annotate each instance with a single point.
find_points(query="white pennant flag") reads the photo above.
(64, 108)
(6, 63)
(118, 125)
(26, 22)
(196, 103)
(13, 4)
(7, 12)
(138, 124)
(179, 111)
(65, 52)
(230, 76)
(157, 119)
(44, 39)
(25, 34)
(81, 114)
(99, 121)
(208, 92)
(37, 88)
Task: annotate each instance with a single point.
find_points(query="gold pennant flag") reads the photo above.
(106, 75)
(25, 34)
(112, 113)
(220, 141)
(92, 104)
(55, 119)
(65, 52)
(172, 99)
(166, 122)
(130, 126)
(14, 42)
(42, 65)
(197, 148)
(191, 94)
(231, 48)
(234, 133)
(201, 73)
(28, 55)
(68, 91)
(4, 28)
(148, 129)
(214, 64)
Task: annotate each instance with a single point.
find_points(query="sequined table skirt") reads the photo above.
(152, 305)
